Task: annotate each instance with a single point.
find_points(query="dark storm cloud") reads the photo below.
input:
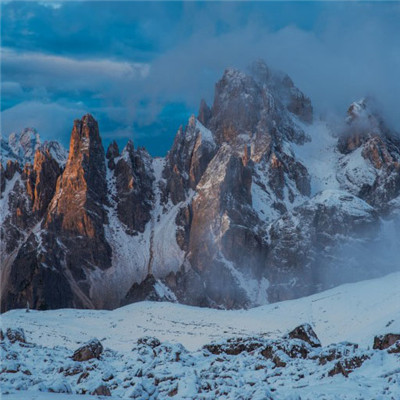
(142, 68)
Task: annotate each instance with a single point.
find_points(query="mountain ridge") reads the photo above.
(229, 218)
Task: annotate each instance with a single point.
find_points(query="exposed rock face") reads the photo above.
(220, 234)
(377, 148)
(134, 184)
(112, 153)
(229, 218)
(82, 189)
(150, 289)
(102, 390)
(306, 240)
(253, 110)
(41, 180)
(68, 211)
(193, 149)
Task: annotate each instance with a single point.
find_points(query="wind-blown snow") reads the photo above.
(319, 156)
(355, 171)
(342, 200)
(166, 253)
(206, 134)
(130, 254)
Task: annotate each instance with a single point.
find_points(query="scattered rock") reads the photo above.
(102, 390)
(15, 335)
(60, 387)
(82, 377)
(149, 341)
(234, 346)
(306, 333)
(74, 370)
(395, 348)
(292, 349)
(383, 342)
(348, 365)
(91, 349)
(336, 352)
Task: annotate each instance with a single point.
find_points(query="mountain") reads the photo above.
(334, 345)
(257, 201)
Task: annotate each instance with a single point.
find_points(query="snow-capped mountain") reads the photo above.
(257, 201)
(22, 146)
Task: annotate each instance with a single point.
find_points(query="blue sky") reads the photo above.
(141, 68)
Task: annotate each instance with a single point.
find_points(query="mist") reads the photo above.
(367, 255)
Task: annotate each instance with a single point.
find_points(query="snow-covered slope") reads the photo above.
(349, 313)
(353, 312)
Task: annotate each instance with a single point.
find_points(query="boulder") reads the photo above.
(348, 365)
(91, 349)
(149, 341)
(306, 333)
(102, 390)
(16, 335)
(383, 342)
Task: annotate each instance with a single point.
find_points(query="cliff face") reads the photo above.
(369, 138)
(240, 212)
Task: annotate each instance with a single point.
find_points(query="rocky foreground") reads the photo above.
(160, 350)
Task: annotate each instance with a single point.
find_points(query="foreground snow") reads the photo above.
(181, 367)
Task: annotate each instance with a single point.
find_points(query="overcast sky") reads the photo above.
(142, 68)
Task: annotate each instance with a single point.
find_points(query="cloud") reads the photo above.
(131, 62)
(52, 120)
(32, 70)
(347, 58)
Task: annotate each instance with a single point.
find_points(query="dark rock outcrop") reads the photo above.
(89, 350)
(150, 290)
(15, 335)
(306, 333)
(102, 390)
(134, 187)
(383, 342)
(192, 150)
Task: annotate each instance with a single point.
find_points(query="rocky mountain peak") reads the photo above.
(128, 150)
(363, 123)
(57, 151)
(112, 150)
(20, 146)
(85, 138)
(82, 185)
(257, 108)
(260, 71)
(24, 144)
(45, 173)
(204, 114)
(112, 153)
(367, 138)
